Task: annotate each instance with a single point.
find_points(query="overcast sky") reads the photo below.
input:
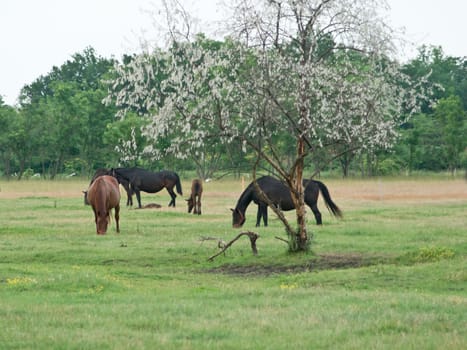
(36, 35)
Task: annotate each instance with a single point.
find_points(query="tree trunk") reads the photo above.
(22, 165)
(300, 241)
(7, 166)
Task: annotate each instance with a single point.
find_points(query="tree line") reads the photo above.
(61, 125)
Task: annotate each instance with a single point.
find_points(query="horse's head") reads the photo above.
(238, 219)
(190, 204)
(102, 221)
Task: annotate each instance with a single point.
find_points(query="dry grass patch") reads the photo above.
(399, 190)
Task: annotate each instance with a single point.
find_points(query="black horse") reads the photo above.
(279, 194)
(137, 180)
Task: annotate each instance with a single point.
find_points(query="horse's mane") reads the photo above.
(246, 196)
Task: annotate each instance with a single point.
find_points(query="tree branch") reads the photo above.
(282, 239)
(253, 237)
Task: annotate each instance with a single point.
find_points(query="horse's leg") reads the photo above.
(316, 213)
(311, 199)
(129, 199)
(117, 216)
(194, 203)
(95, 218)
(265, 215)
(199, 204)
(138, 196)
(173, 196)
(258, 216)
(262, 213)
(129, 195)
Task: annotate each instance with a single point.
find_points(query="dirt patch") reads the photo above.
(319, 263)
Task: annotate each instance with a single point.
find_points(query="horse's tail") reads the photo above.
(178, 185)
(332, 207)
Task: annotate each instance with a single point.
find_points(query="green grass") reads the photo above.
(391, 275)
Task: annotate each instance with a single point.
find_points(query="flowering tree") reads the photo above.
(314, 71)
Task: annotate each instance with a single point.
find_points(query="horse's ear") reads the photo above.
(232, 210)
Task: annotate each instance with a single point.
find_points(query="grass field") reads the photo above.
(391, 275)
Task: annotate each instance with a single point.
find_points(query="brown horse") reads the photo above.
(195, 198)
(103, 195)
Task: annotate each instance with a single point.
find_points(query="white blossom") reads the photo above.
(128, 149)
(320, 70)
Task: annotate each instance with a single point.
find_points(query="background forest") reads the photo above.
(62, 127)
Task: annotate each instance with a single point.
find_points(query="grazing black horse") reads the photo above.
(147, 181)
(279, 195)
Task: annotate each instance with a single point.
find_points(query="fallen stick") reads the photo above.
(282, 239)
(253, 237)
(220, 242)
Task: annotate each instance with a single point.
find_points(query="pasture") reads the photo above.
(391, 275)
